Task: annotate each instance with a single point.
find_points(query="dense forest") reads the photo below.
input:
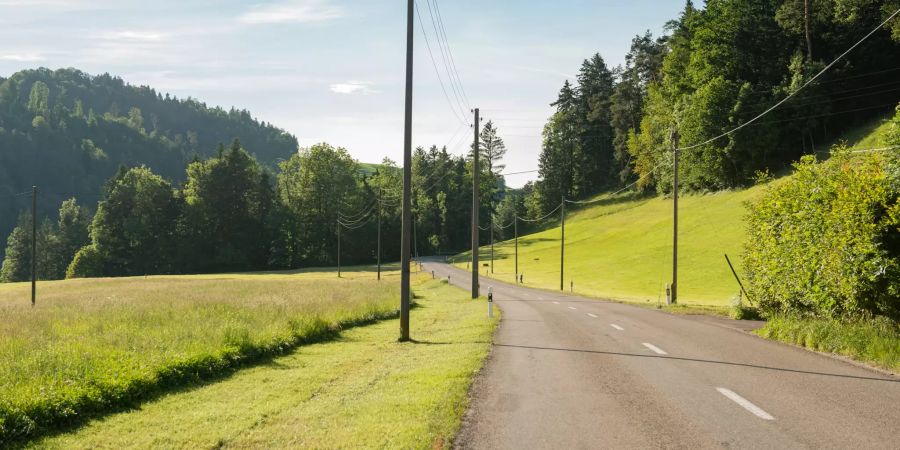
(68, 132)
(716, 68)
(233, 213)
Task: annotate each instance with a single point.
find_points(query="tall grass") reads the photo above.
(91, 345)
(876, 341)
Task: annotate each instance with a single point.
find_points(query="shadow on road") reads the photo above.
(705, 361)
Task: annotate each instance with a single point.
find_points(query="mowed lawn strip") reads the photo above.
(363, 390)
(92, 345)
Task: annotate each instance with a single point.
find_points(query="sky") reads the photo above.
(333, 70)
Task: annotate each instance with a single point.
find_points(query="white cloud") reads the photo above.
(28, 57)
(292, 11)
(132, 35)
(353, 87)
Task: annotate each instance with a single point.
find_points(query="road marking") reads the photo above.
(756, 410)
(656, 349)
(592, 315)
(616, 327)
(555, 303)
(572, 307)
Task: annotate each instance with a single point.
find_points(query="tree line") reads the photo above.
(234, 214)
(714, 69)
(68, 132)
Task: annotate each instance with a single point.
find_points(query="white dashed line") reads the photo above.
(756, 410)
(572, 308)
(555, 303)
(616, 327)
(592, 315)
(655, 349)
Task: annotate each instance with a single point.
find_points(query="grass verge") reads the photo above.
(361, 390)
(875, 342)
(90, 346)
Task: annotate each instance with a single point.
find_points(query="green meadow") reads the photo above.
(362, 389)
(621, 248)
(91, 345)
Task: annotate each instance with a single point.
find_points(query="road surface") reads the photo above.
(569, 372)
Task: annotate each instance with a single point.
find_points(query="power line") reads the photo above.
(437, 71)
(437, 9)
(520, 173)
(808, 82)
(441, 44)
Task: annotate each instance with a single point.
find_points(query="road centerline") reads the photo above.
(654, 348)
(592, 315)
(744, 403)
(616, 327)
(572, 308)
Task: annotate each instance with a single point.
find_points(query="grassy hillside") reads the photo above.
(363, 390)
(94, 344)
(622, 249)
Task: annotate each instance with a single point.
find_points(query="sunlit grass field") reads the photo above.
(361, 390)
(622, 249)
(93, 344)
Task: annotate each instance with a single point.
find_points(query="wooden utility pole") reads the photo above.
(379, 236)
(339, 247)
(33, 244)
(516, 230)
(476, 168)
(407, 177)
(562, 243)
(677, 153)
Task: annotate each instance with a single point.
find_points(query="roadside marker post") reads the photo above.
(490, 302)
(432, 274)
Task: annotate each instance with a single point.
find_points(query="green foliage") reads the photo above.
(67, 132)
(875, 341)
(56, 244)
(87, 263)
(729, 62)
(825, 242)
(228, 199)
(133, 230)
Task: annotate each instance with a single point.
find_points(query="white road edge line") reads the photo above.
(592, 315)
(616, 327)
(572, 308)
(655, 349)
(756, 410)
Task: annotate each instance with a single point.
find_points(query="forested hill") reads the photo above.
(68, 132)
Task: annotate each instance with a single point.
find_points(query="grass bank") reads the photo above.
(876, 342)
(361, 390)
(92, 345)
(621, 248)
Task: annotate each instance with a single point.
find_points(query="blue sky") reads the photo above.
(332, 70)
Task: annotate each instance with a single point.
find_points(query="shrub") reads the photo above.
(826, 242)
(87, 263)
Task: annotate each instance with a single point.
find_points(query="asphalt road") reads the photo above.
(569, 372)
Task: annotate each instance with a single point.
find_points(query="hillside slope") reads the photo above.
(621, 248)
(67, 132)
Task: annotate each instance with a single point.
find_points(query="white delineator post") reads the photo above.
(490, 302)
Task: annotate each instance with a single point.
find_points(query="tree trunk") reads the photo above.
(809, 49)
